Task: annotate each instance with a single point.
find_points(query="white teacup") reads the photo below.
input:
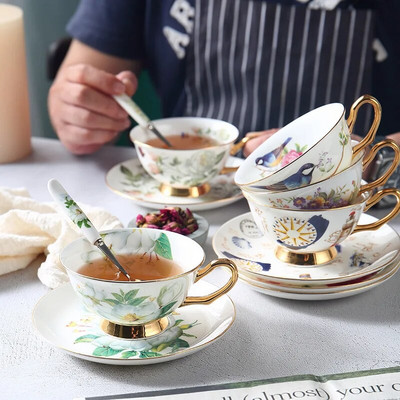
(308, 237)
(308, 150)
(336, 191)
(185, 172)
(137, 309)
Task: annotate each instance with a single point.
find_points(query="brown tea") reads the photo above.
(137, 266)
(184, 141)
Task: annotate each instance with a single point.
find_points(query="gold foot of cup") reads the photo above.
(194, 191)
(135, 331)
(317, 258)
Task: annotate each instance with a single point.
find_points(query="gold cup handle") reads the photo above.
(366, 99)
(237, 147)
(209, 298)
(371, 155)
(375, 199)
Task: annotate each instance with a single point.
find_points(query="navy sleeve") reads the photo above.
(114, 27)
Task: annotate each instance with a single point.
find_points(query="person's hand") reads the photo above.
(81, 109)
(257, 139)
(395, 137)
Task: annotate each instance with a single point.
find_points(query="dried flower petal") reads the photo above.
(172, 219)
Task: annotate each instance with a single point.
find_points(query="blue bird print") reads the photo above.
(274, 157)
(320, 225)
(263, 265)
(301, 178)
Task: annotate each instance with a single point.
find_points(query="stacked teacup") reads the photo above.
(304, 184)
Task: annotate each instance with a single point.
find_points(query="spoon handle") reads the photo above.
(138, 115)
(75, 213)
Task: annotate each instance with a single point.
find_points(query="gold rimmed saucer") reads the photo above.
(333, 293)
(360, 254)
(324, 288)
(61, 320)
(129, 179)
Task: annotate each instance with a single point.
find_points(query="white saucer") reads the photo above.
(62, 320)
(366, 280)
(361, 254)
(129, 179)
(315, 295)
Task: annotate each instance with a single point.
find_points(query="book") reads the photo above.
(378, 384)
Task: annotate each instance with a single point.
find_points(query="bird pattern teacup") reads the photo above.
(337, 191)
(302, 235)
(310, 149)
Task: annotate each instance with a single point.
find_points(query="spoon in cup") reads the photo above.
(138, 115)
(75, 213)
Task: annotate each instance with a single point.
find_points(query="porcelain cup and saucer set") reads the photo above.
(199, 178)
(307, 235)
(152, 321)
(139, 321)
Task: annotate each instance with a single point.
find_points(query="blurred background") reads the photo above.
(45, 22)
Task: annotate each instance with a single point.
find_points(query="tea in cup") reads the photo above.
(308, 150)
(200, 149)
(308, 237)
(336, 191)
(163, 266)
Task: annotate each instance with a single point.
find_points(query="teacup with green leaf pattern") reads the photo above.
(186, 172)
(139, 309)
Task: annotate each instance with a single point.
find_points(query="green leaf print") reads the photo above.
(126, 171)
(133, 179)
(84, 222)
(118, 297)
(161, 347)
(105, 352)
(69, 202)
(163, 247)
(86, 338)
(179, 343)
(220, 156)
(131, 294)
(166, 308)
(175, 161)
(137, 301)
(149, 354)
(128, 354)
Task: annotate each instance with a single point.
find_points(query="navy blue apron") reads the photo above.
(259, 64)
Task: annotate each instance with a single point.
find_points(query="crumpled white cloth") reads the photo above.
(29, 228)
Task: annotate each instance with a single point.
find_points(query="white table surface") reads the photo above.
(270, 338)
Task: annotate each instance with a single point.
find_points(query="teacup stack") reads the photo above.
(304, 184)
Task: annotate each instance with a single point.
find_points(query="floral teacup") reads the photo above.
(138, 309)
(308, 237)
(308, 150)
(337, 191)
(185, 172)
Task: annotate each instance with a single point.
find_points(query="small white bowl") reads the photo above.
(199, 235)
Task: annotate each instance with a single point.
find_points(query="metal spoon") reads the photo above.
(138, 115)
(75, 213)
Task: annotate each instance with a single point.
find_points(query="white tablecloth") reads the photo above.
(270, 338)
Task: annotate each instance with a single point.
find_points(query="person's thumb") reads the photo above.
(130, 81)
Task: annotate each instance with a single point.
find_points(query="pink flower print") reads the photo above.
(290, 156)
(154, 168)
